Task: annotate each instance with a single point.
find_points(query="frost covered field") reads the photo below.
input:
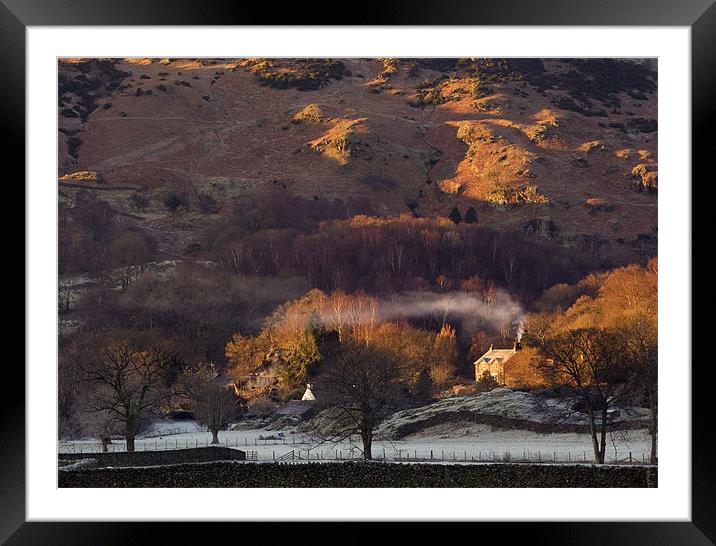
(411, 435)
(456, 442)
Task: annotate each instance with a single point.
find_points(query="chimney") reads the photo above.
(516, 346)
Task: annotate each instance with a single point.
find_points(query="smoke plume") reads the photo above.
(471, 312)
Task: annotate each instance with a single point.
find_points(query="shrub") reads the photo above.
(455, 215)
(584, 106)
(82, 176)
(302, 74)
(378, 182)
(544, 227)
(73, 145)
(478, 89)
(486, 382)
(503, 194)
(596, 204)
(173, 201)
(207, 204)
(471, 215)
(643, 125)
(429, 92)
(310, 113)
(139, 202)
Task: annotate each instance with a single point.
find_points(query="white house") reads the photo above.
(493, 361)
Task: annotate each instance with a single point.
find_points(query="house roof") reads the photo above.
(296, 407)
(500, 355)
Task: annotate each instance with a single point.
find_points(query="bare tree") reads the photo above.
(65, 297)
(359, 383)
(130, 251)
(595, 361)
(215, 405)
(125, 382)
(642, 353)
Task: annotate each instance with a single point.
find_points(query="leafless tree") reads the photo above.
(642, 353)
(359, 382)
(124, 382)
(65, 297)
(130, 252)
(595, 361)
(215, 405)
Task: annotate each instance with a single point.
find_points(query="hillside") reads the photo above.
(500, 408)
(560, 152)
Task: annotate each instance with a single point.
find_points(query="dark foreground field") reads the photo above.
(359, 474)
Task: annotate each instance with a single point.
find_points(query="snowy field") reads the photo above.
(471, 442)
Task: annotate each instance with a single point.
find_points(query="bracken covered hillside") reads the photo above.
(562, 153)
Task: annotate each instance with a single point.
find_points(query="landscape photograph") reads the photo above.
(357, 272)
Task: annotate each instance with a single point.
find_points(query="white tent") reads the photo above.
(308, 395)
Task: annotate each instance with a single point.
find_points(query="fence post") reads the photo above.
(431, 454)
(274, 455)
(442, 455)
(630, 456)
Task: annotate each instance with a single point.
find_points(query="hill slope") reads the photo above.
(563, 151)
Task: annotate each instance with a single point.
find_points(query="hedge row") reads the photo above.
(148, 458)
(360, 474)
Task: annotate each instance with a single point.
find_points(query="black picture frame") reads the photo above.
(699, 15)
